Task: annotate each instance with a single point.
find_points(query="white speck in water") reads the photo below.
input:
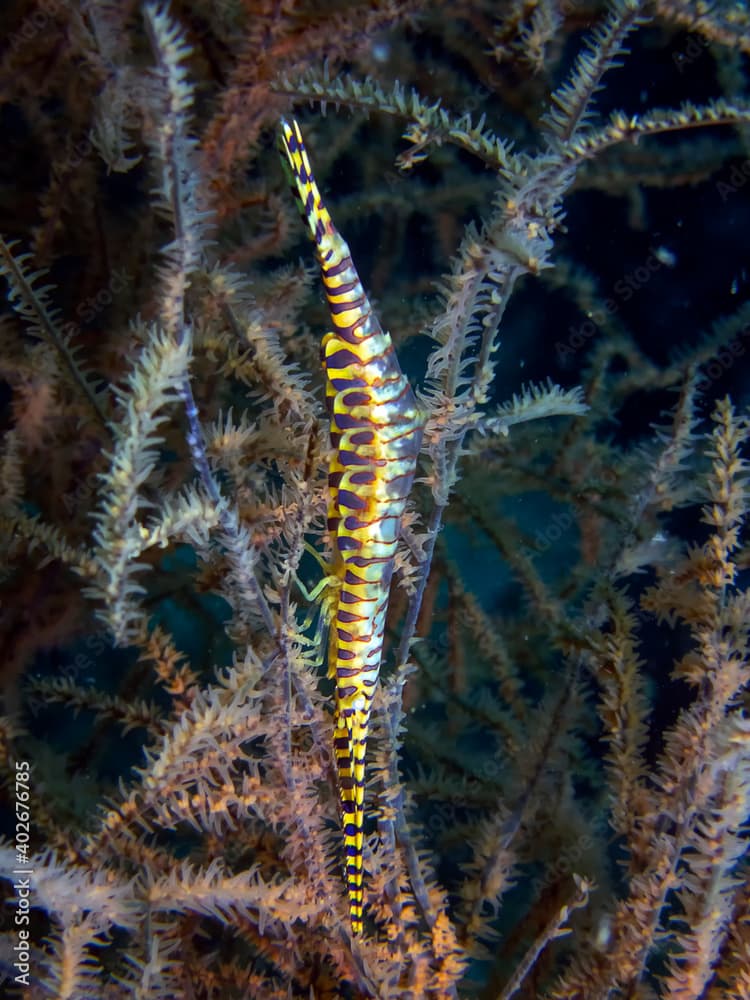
(381, 52)
(665, 256)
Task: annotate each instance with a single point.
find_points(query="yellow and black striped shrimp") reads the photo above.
(376, 433)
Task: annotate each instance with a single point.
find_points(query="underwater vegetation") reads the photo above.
(547, 204)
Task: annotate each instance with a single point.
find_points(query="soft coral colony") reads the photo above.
(487, 802)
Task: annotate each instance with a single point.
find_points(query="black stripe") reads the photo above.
(363, 561)
(364, 478)
(346, 617)
(352, 523)
(342, 265)
(342, 358)
(362, 437)
(352, 458)
(336, 308)
(340, 384)
(347, 544)
(343, 289)
(347, 598)
(356, 398)
(350, 333)
(348, 499)
(346, 422)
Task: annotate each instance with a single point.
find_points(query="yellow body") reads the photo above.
(376, 434)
